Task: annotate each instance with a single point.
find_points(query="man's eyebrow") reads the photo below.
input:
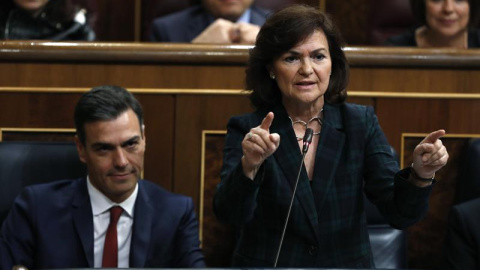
(97, 145)
(134, 139)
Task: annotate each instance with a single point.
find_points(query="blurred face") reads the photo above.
(113, 152)
(227, 9)
(31, 6)
(447, 17)
(303, 73)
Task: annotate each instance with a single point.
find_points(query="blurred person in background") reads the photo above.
(214, 21)
(443, 23)
(43, 20)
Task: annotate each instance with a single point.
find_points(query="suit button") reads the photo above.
(313, 250)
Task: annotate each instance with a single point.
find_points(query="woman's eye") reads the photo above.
(290, 59)
(319, 57)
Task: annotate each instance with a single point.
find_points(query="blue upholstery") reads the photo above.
(468, 181)
(389, 245)
(27, 163)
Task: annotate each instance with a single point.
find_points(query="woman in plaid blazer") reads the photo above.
(298, 73)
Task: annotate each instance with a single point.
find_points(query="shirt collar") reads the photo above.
(100, 203)
(245, 16)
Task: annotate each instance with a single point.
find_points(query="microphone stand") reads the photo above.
(307, 139)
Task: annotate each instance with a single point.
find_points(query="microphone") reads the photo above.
(307, 140)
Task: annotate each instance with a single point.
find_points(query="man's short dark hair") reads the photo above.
(104, 103)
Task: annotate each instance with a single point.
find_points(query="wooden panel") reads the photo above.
(159, 122)
(112, 20)
(148, 76)
(397, 116)
(351, 18)
(36, 134)
(218, 239)
(193, 114)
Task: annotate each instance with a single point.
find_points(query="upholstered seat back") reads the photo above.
(388, 18)
(389, 246)
(27, 163)
(468, 181)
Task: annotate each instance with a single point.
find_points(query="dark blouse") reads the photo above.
(19, 25)
(407, 39)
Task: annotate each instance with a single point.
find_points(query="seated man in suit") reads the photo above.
(110, 218)
(462, 242)
(215, 21)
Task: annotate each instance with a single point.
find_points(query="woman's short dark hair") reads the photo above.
(104, 103)
(420, 12)
(282, 31)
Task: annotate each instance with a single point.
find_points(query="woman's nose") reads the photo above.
(306, 69)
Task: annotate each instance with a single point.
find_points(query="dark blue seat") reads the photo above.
(468, 181)
(27, 163)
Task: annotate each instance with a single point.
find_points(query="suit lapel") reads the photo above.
(198, 23)
(329, 151)
(83, 219)
(256, 16)
(141, 231)
(289, 157)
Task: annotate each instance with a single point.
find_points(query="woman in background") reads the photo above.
(443, 23)
(298, 74)
(43, 20)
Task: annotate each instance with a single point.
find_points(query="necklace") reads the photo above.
(305, 124)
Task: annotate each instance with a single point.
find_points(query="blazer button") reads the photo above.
(313, 250)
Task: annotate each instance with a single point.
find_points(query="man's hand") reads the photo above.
(225, 32)
(244, 33)
(217, 32)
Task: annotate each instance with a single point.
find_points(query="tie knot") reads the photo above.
(115, 213)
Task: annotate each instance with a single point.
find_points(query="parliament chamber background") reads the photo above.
(189, 92)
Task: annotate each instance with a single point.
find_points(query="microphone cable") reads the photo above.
(307, 140)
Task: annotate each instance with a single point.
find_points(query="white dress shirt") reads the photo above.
(101, 218)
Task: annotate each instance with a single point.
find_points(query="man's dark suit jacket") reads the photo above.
(51, 226)
(327, 226)
(462, 242)
(186, 25)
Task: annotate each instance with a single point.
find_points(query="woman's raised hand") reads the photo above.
(257, 145)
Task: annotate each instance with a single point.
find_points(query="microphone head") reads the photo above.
(307, 139)
(308, 136)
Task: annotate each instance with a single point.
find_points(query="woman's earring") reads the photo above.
(272, 76)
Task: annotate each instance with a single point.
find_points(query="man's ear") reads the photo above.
(80, 149)
(143, 134)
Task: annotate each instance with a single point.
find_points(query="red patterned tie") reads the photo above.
(110, 249)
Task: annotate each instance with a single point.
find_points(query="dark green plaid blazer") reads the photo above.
(327, 225)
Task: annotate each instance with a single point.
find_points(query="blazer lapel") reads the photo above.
(329, 151)
(83, 219)
(198, 22)
(289, 157)
(141, 231)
